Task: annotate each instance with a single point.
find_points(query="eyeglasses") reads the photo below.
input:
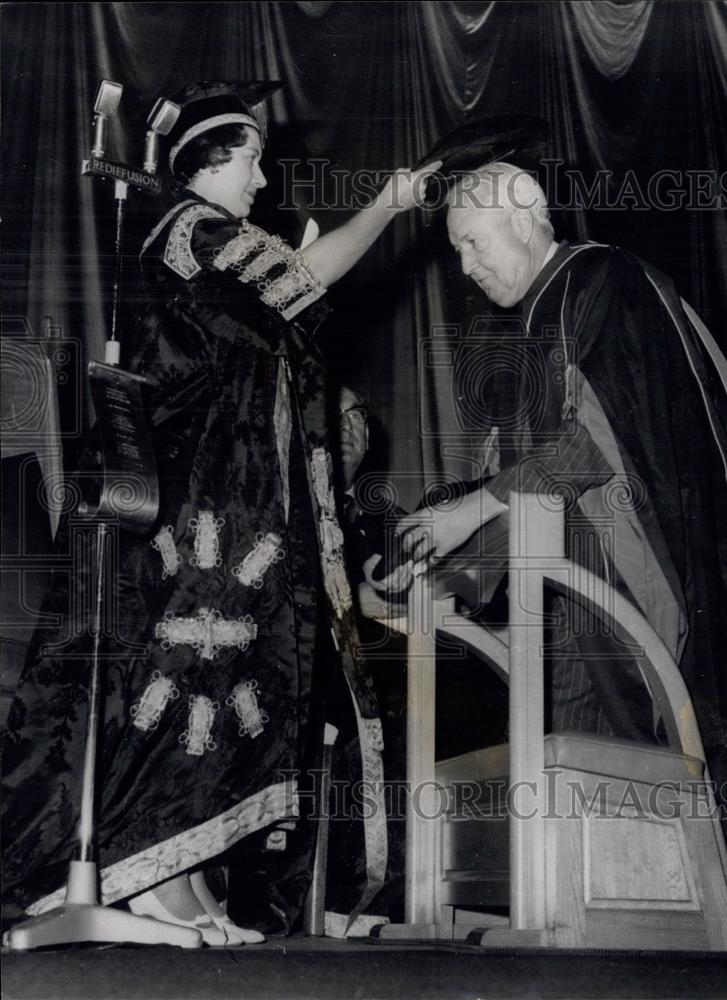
(356, 414)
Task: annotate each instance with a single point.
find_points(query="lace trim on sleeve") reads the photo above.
(281, 274)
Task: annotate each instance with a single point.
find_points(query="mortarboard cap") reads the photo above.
(209, 104)
(515, 139)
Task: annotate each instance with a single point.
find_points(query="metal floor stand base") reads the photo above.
(81, 918)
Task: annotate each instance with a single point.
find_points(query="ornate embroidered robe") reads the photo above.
(209, 667)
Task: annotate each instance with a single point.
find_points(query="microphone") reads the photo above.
(108, 97)
(163, 116)
(161, 120)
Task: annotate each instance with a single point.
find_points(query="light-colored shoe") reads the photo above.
(235, 934)
(147, 904)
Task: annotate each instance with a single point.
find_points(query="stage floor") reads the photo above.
(299, 968)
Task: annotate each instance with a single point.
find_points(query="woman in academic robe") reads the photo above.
(208, 675)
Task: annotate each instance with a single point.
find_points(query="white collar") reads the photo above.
(552, 250)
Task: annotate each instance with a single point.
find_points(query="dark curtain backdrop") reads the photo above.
(631, 86)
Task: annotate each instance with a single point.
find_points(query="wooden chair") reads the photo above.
(587, 841)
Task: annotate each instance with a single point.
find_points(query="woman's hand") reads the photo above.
(372, 594)
(374, 606)
(405, 189)
(396, 582)
(334, 254)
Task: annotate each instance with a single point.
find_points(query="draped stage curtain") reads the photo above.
(635, 87)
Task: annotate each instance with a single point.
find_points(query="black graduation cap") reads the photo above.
(208, 104)
(516, 139)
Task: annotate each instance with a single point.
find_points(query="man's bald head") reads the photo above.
(498, 222)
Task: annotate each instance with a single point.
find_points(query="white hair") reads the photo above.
(502, 185)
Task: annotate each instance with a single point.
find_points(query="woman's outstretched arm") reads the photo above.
(334, 254)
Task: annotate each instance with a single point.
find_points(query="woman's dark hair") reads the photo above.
(208, 150)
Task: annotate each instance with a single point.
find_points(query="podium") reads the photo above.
(568, 840)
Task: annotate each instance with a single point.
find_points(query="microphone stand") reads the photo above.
(129, 500)
(113, 348)
(81, 917)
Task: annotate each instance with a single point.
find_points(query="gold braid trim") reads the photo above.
(254, 254)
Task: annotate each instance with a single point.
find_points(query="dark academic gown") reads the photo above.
(628, 420)
(208, 669)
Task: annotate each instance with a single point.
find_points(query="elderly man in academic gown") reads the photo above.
(618, 402)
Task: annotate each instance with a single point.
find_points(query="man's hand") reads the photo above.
(434, 532)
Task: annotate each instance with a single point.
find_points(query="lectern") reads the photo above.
(568, 839)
